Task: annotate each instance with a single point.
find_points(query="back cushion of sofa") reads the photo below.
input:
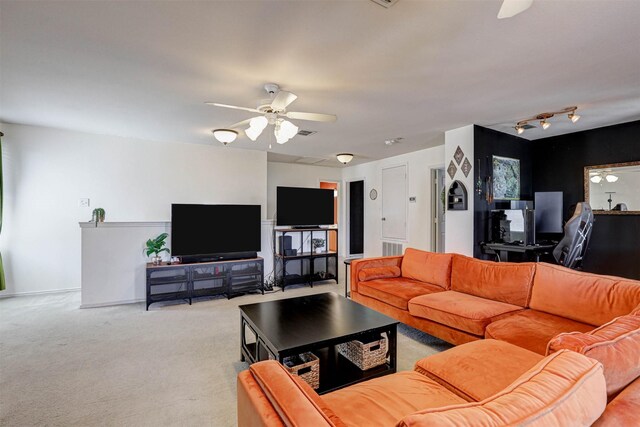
(564, 389)
(615, 344)
(427, 267)
(505, 281)
(584, 297)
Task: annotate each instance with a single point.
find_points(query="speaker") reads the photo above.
(284, 243)
(529, 227)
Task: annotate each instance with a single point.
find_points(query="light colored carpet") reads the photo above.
(173, 365)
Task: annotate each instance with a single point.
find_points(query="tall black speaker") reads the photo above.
(284, 244)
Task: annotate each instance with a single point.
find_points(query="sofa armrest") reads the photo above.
(269, 396)
(359, 264)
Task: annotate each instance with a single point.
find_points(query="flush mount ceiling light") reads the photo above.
(544, 119)
(344, 158)
(226, 136)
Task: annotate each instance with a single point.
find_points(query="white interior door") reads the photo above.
(394, 203)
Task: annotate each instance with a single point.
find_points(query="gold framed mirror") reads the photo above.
(613, 189)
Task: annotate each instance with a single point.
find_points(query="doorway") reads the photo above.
(356, 217)
(437, 210)
(328, 185)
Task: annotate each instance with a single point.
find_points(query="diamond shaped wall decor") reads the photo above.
(466, 167)
(452, 169)
(458, 155)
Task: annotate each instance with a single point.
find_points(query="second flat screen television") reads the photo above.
(299, 207)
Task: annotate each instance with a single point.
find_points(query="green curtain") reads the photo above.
(2, 284)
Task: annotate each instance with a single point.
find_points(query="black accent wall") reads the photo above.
(557, 164)
(487, 143)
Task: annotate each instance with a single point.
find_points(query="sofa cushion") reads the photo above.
(583, 297)
(374, 273)
(429, 267)
(461, 311)
(480, 369)
(624, 409)
(564, 389)
(396, 291)
(386, 400)
(615, 344)
(505, 281)
(532, 329)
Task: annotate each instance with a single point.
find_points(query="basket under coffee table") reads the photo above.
(317, 324)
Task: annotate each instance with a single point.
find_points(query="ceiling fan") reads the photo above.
(273, 111)
(513, 7)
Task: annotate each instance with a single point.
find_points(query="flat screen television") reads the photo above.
(300, 207)
(201, 233)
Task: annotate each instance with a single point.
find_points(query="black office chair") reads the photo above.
(577, 232)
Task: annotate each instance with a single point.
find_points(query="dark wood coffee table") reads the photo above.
(316, 323)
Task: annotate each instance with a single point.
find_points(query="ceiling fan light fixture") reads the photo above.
(611, 178)
(574, 117)
(289, 129)
(344, 158)
(596, 179)
(226, 136)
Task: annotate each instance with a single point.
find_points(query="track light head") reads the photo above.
(519, 129)
(574, 117)
(545, 124)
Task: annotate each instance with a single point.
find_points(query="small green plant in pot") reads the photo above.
(97, 215)
(317, 244)
(156, 246)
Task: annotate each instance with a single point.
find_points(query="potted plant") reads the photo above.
(317, 244)
(97, 215)
(156, 246)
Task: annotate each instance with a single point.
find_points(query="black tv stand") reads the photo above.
(229, 256)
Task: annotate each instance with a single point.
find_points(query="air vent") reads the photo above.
(309, 160)
(391, 249)
(385, 3)
(306, 132)
(527, 126)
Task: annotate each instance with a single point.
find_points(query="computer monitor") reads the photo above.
(548, 205)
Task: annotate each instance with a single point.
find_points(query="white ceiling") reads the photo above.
(415, 70)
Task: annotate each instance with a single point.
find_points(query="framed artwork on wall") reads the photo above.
(506, 178)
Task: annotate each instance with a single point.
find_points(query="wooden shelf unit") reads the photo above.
(168, 282)
(311, 266)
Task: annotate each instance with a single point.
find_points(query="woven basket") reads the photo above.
(306, 366)
(366, 355)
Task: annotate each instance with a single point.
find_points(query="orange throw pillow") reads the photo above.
(374, 273)
(615, 344)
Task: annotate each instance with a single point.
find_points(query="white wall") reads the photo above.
(459, 224)
(293, 175)
(419, 164)
(46, 172)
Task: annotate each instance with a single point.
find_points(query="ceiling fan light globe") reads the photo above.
(259, 123)
(288, 129)
(611, 178)
(253, 133)
(226, 136)
(596, 179)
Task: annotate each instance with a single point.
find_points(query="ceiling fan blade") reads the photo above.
(240, 124)
(282, 100)
(316, 117)
(253, 110)
(513, 7)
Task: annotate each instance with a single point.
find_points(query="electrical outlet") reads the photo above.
(83, 203)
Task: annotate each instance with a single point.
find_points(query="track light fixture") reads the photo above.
(544, 119)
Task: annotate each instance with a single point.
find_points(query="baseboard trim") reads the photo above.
(109, 304)
(25, 294)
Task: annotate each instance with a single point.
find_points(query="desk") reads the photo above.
(501, 250)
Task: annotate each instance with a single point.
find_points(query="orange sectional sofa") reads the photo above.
(461, 299)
